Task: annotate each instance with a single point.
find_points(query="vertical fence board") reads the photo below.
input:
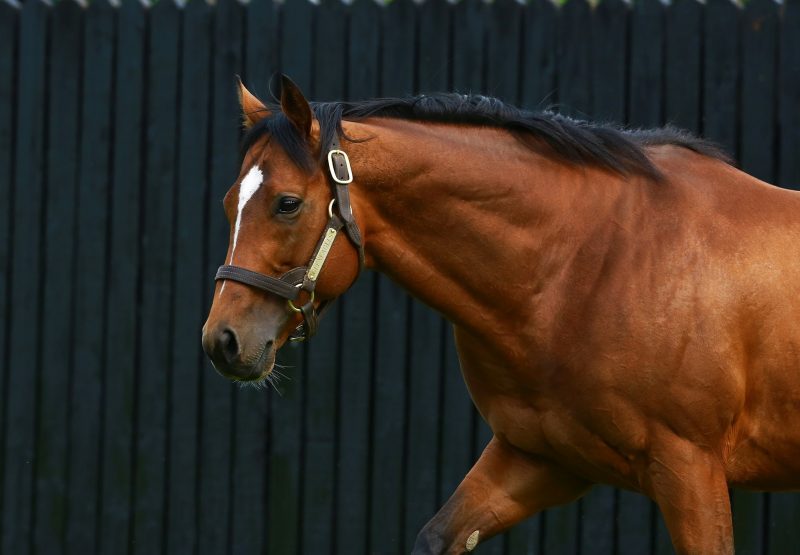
(574, 58)
(352, 470)
(748, 522)
(469, 31)
(789, 96)
(539, 59)
(9, 14)
(721, 73)
(353, 457)
(784, 512)
(561, 530)
(386, 486)
(682, 52)
(758, 71)
(355, 382)
(609, 60)
(90, 260)
(318, 464)
(217, 427)
(185, 367)
(363, 51)
(353, 433)
(262, 52)
(156, 291)
(286, 412)
(598, 512)
(298, 18)
(646, 63)
(398, 23)
(59, 243)
(425, 346)
(24, 359)
(433, 48)
(662, 543)
(503, 48)
(124, 267)
(634, 523)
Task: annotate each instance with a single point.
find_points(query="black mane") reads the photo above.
(574, 141)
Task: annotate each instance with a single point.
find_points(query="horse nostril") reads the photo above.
(228, 346)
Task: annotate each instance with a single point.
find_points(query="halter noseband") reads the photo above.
(304, 278)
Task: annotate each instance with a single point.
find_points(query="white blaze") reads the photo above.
(248, 187)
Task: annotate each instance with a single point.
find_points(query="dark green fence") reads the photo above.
(118, 139)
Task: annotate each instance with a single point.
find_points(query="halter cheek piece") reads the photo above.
(304, 278)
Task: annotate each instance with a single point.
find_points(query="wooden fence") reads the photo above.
(118, 139)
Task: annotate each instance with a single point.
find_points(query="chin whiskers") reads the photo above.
(278, 375)
(255, 384)
(275, 376)
(272, 379)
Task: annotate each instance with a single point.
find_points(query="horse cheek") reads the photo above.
(340, 270)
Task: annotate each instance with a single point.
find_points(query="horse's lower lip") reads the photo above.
(263, 366)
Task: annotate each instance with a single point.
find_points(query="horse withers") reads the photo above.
(625, 303)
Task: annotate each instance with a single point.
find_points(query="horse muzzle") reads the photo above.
(226, 349)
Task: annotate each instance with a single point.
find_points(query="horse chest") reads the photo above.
(552, 417)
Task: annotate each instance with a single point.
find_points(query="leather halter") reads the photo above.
(304, 278)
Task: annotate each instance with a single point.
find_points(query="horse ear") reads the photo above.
(295, 106)
(253, 110)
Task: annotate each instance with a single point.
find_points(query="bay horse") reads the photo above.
(626, 304)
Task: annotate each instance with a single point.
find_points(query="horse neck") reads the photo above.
(469, 220)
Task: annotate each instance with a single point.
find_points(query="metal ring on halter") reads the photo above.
(291, 304)
(330, 207)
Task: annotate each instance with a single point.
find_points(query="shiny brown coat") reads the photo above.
(610, 329)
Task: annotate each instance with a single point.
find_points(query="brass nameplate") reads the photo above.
(322, 254)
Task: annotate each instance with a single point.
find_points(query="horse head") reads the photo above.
(284, 260)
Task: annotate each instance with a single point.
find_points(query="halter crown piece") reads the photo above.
(304, 278)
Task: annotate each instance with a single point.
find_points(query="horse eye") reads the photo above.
(288, 205)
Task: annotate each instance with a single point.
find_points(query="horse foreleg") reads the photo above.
(689, 485)
(504, 487)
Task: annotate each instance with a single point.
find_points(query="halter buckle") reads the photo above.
(332, 167)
